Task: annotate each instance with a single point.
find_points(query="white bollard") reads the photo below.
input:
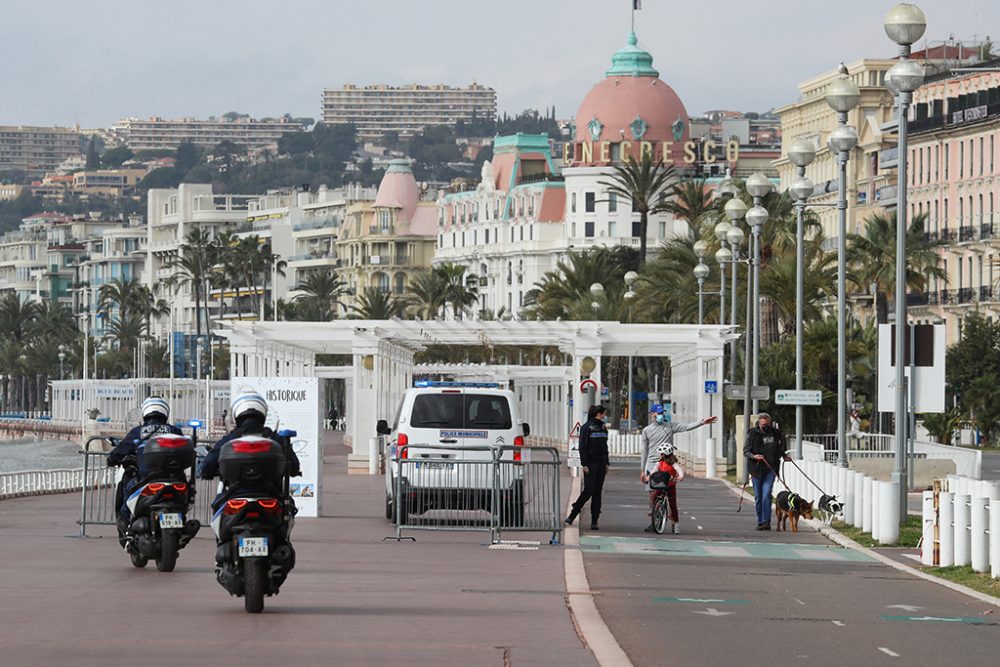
(866, 504)
(993, 492)
(888, 505)
(876, 530)
(373, 456)
(848, 499)
(980, 546)
(859, 496)
(963, 542)
(995, 538)
(927, 534)
(710, 458)
(946, 529)
(840, 484)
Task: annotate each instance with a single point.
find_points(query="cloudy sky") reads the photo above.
(94, 62)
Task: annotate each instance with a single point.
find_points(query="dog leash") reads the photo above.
(776, 475)
(743, 494)
(809, 478)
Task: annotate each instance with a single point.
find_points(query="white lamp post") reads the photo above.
(904, 24)
(842, 96)
(758, 186)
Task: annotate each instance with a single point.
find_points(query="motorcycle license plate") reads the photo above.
(253, 546)
(173, 520)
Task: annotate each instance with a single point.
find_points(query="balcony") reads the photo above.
(965, 295)
(888, 158)
(986, 294)
(966, 234)
(948, 235)
(887, 195)
(947, 297)
(917, 300)
(989, 232)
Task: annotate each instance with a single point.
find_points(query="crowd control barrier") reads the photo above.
(492, 489)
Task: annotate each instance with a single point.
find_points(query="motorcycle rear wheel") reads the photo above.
(167, 559)
(254, 583)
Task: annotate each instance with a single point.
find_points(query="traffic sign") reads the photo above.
(798, 397)
(737, 392)
(711, 387)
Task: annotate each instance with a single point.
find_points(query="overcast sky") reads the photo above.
(91, 63)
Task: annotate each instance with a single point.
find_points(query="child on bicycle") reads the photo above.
(662, 479)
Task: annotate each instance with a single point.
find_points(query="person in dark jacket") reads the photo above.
(594, 461)
(764, 449)
(155, 412)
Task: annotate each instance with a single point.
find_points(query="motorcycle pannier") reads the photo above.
(168, 453)
(252, 459)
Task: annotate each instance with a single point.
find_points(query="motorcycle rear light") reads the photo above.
(172, 441)
(269, 505)
(153, 489)
(518, 442)
(251, 446)
(234, 506)
(180, 488)
(401, 441)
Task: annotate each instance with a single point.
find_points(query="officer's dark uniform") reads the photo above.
(593, 457)
(250, 426)
(132, 444)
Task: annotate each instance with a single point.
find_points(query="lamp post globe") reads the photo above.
(597, 289)
(907, 75)
(905, 24)
(843, 95)
(801, 152)
(758, 185)
(736, 209)
(631, 277)
(802, 189)
(843, 138)
(723, 256)
(701, 272)
(721, 230)
(700, 248)
(757, 216)
(735, 237)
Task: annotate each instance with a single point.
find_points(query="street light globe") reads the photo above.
(890, 85)
(721, 230)
(758, 185)
(700, 248)
(726, 187)
(62, 348)
(629, 295)
(723, 255)
(801, 152)
(907, 75)
(802, 189)
(842, 95)
(701, 272)
(597, 289)
(843, 138)
(595, 305)
(905, 24)
(757, 216)
(736, 209)
(735, 237)
(631, 277)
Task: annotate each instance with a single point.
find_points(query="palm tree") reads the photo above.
(193, 265)
(321, 292)
(691, 201)
(377, 304)
(127, 330)
(427, 294)
(16, 318)
(122, 295)
(871, 258)
(560, 292)
(645, 184)
(459, 290)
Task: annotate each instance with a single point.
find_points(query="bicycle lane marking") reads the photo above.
(719, 549)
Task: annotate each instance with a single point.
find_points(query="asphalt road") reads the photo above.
(722, 593)
(991, 464)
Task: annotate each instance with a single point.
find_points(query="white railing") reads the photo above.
(624, 444)
(39, 482)
(961, 524)
(968, 462)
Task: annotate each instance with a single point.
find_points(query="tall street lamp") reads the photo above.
(62, 358)
(801, 153)
(735, 210)
(700, 273)
(721, 230)
(842, 96)
(904, 24)
(758, 186)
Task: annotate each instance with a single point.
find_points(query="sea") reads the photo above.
(29, 454)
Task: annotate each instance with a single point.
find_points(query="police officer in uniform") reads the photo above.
(594, 461)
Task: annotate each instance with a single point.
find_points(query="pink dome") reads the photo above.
(631, 104)
(399, 190)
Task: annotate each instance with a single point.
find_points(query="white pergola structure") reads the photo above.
(382, 366)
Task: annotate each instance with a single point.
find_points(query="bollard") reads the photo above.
(840, 484)
(848, 498)
(859, 496)
(980, 547)
(995, 538)
(373, 455)
(876, 530)
(866, 504)
(946, 529)
(888, 505)
(710, 458)
(927, 533)
(962, 538)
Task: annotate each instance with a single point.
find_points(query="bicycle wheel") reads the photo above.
(660, 515)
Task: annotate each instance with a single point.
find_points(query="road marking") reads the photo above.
(700, 528)
(702, 600)
(904, 607)
(839, 624)
(712, 611)
(937, 619)
(697, 548)
(888, 651)
(800, 601)
(819, 555)
(693, 518)
(915, 557)
(727, 551)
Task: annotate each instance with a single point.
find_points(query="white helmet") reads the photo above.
(666, 449)
(249, 402)
(154, 405)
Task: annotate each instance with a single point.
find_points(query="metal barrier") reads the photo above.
(477, 488)
(39, 482)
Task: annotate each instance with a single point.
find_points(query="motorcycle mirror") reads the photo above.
(201, 450)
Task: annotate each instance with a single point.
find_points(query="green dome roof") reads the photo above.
(632, 60)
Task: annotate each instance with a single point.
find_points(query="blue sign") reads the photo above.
(711, 387)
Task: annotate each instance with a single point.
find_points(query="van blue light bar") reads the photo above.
(434, 383)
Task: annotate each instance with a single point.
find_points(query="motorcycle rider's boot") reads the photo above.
(190, 529)
(122, 525)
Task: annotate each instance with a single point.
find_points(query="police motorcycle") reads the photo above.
(161, 501)
(253, 518)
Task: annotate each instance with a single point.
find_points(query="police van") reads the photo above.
(444, 438)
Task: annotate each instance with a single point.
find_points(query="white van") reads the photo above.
(433, 421)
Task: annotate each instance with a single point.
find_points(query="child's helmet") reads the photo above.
(666, 449)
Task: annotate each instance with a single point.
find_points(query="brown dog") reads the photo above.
(791, 506)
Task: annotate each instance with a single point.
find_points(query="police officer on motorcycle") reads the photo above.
(155, 412)
(249, 411)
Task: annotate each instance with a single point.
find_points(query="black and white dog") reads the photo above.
(831, 508)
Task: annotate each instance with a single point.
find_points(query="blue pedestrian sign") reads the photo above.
(711, 387)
